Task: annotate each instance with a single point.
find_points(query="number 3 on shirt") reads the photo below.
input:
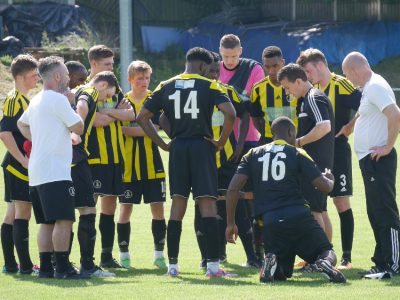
(190, 104)
(277, 166)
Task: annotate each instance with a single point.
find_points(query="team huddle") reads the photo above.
(260, 154)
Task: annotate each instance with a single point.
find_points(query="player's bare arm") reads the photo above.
(136, 131)
(77, 128)
(243, 128)
(123, 112)
(82, 110)
(11, 145)
(25, 130)
(259, 124)
(325, 182)
(318, 132)
(101, 119)
(164, 124)
(144, 121)
(232, 196)
(347, 129)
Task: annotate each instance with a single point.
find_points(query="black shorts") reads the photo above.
(152, 191)
(53, 201)
(83, 184)
(297, 235)
(15, 189)
(107, 179)
(317, 199)
(342, 169)
(225, 174)
(192, 166)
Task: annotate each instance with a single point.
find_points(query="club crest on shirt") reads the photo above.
(97, 184)
(71, 191)
(128, 194)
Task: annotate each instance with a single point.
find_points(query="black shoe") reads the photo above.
(34, 271)
(203, 264)
(96, 271)
(268, 268)
(377, 273)
(331, 272)
(71, 273)
(254, 264)
(373, 270)
(46, 274)
(307, 268)
(222, 258)
(10, 269)
(111, 264)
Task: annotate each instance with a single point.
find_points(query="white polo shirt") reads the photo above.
(371, 127)
(49, 115)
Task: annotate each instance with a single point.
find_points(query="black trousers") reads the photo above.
(380, 191)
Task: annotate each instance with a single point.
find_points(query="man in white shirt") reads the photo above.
(48, 122)
(375, 133)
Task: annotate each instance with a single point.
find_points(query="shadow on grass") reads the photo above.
(75, 283)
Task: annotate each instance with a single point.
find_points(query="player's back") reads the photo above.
(188, 101)
(275, 171)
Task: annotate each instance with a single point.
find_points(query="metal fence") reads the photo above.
(333, 10)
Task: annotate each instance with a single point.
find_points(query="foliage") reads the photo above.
(6, 60)
(84, 39)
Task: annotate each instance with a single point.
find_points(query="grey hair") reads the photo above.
(48, 65)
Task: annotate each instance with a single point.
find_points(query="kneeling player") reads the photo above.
(275, 171)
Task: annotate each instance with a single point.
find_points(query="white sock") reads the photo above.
(158, 254)
(124, 255)
(173, 266)
(213, 266)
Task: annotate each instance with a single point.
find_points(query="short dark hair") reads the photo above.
(106, 76)
(216, 57)
(281, 126)
(311, 55)
(292, 72)
(199, 54)
(230, 41)
(75, 66)
(98, 52)
(48, 64)
(23, 63)
(272, 51)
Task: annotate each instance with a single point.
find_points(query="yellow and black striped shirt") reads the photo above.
(106, 143)
(218, 120)
(14, 106)
(344, 98)
(142, 157)
(270, 102)
(89, 94)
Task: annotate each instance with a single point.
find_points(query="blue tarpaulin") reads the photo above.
(376, 40)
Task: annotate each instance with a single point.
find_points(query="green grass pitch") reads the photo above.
(147, 282)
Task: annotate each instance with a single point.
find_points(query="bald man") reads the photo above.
(375, 133)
